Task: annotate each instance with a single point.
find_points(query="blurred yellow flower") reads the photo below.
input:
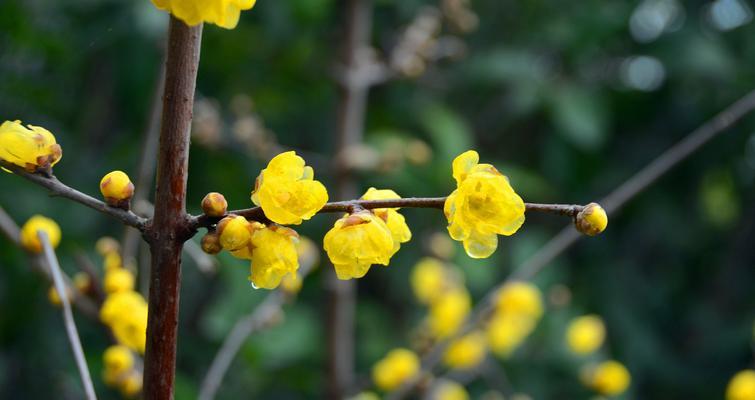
(592, 220)
(448, 312)
(520, 298)
(398, 366)
(609, 378)
(483, 206)
(585, 334)
(287, 192)
(274, 256)
(224, 13)
(449, 390)
(54, 297)
(428, 280)
(132, 384)
(119, 280)
(507, 332)
(356, 242)
(741, 386)
(126, 315)
(33, 148)
(29, 233)
(466, 352)
(118, 359)
(393, 220)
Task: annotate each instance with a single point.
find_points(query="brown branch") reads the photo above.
(256, 213)
(70, 324)
(263, 316)
(9, 228)
(58, 188)
(612, 203)
(169, 228)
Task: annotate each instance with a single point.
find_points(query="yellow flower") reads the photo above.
(395, 221)
(54, 297)
(506, 332)
(112, 262)
(592, 220)
(126, 315)
(448, 312)
(520, 298)
(398, 366)
(466, 352)
(235, 234)
(214, 204)
(29, 233)
(274, 256)
(483, 206)
(449, 390)
(356, 242)
(118, 359)
(119, 280)
(741, 386)
(131, 384)
(117, 189)
(585, 334)
(428, 280)
(224, 13)
(33, 148)
(107, 245)
(287, 192)
(609, 378)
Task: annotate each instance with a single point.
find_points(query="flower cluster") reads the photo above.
(223, 13)
(124, 310)
(121, 370)
(33, 148)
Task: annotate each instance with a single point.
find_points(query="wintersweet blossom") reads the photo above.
(126, 315)
(32, 147)
(30, 233)
(483, 206)
(287, 192)
(448, 312)
(398, 366)
(466, 352)
(357, 241)
(224, 13)
(395, 221)
(610, 378)
(741, 386)
(428, 280)
(274, 256)
(585, 334)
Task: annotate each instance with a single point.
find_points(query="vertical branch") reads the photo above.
(170, 228)
(350, 126)
(73, 333)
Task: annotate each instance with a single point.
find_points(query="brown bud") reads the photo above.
(592, 220)
(211, 243)
(214, 205)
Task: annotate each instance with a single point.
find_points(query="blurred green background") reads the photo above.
(567, 99)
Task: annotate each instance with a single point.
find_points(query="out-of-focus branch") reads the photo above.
(9, 228)
(58, 188)
(612, 203)
(263, 316)
(256, 213)
(70, 324)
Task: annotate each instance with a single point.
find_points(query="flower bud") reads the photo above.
(132, 384)
(234, 232)
(211, 243)
(117, 189)
(119, 280)
(82, 282)
(592, 220)
(214, 205)
(106, 245)
(29, 233)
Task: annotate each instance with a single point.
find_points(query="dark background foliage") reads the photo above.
(567, 98)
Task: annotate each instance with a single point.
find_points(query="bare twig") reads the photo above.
(612, 203)
(263, 316)
(58, 188)
(256, 213)
(9, 228)
(73, 334)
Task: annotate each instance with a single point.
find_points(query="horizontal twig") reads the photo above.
(256, 213)
(58, 188)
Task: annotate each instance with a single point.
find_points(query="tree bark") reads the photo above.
(170, 226)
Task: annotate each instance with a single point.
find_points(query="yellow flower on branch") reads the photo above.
(428, 280)
(610, 378)
(585, 334)
(398, 366)
(32, 148)
(287, 192)
(29, 233)
(357, 241)
(741, 386)
(119, 280)
(483, 206)
(274, 256)
(126, 315)
(224, 13)
(117, 189)
(466, 352)
(395, 221)
(507, 332)
(118, 359)
(520, 298)
(448, 312)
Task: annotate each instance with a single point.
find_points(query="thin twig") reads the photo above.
(263, 316)
(9, 228)
(256, 213)
(73, 334)
(611, 203)
(58, 188)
